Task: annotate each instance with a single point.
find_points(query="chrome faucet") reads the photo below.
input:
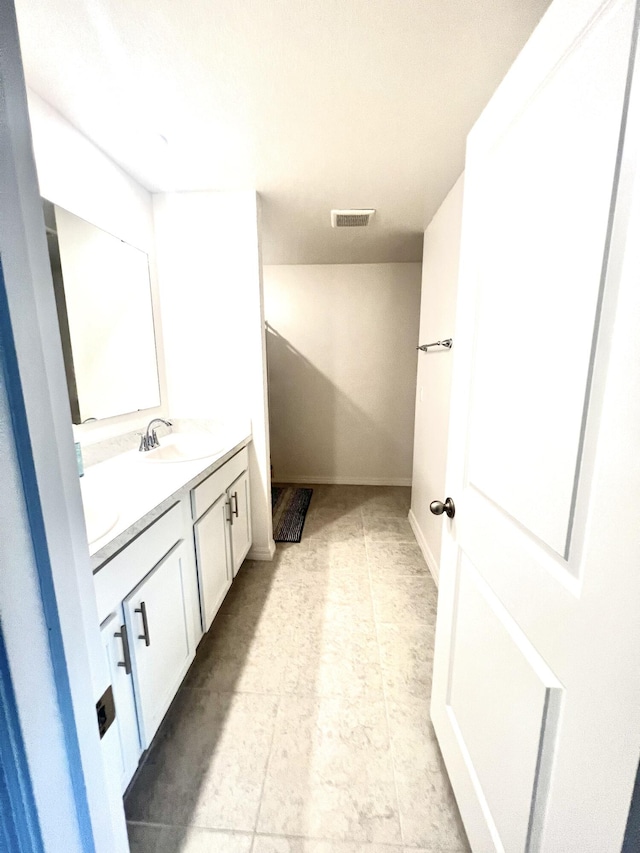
(150, 440)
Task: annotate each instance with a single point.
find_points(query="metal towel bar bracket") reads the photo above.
(447, 342)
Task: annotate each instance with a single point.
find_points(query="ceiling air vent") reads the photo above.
(351, 218)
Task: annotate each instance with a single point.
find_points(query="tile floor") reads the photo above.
(303, 725)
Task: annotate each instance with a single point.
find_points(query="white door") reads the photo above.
(536, 691)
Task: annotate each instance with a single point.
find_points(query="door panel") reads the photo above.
(158, 633)
(498, 702)
(213, 558)
(545, 189)
(241, 527)
(126, 723)
(534, 697)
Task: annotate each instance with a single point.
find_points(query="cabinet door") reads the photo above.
(157, 622)
(125, 738)
(238, 493)
(213, 554)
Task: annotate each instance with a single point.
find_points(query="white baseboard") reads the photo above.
(343, 481)
(430, 560)
(262, 553)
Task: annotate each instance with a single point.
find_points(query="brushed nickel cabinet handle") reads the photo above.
(235, 498)
(145, 624)
(126, 663)
(230, 517)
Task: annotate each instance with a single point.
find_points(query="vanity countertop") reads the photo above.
(137, 491)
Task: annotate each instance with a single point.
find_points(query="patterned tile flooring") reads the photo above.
(303, 725)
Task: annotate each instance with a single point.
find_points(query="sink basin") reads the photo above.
(183, 447)
(100, 512)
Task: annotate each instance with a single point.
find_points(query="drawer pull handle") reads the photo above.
(126, 663)
(145, 624)
(230, 517)
(234, 497)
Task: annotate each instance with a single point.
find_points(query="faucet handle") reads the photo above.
(143, 443)
(153, 441)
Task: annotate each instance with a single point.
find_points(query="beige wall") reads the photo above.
(342, 365)
(437, 318)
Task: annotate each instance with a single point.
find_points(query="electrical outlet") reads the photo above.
(105, 711)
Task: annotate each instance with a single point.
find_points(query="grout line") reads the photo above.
(230, 692)
(384, 691)
(267, 766)
(268, 762)
(340, 843)
(214, 830)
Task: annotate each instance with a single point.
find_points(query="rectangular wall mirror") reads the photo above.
(103, 298)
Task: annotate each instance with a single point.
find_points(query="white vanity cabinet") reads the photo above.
(154, 599)
(222, 530)
(147, 598)
(156, 614)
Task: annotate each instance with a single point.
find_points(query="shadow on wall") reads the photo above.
(316, 429)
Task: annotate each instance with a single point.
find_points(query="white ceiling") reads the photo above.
(314, 103)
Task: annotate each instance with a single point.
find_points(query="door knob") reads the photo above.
(437, 507)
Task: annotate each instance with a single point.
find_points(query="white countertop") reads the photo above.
(128, 487)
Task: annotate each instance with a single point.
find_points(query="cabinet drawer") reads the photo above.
(209, 490)
(118, 576)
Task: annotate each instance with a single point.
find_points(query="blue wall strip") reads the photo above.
(19, 828)
(10, 368)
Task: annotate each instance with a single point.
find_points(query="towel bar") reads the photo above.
(447, 342)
